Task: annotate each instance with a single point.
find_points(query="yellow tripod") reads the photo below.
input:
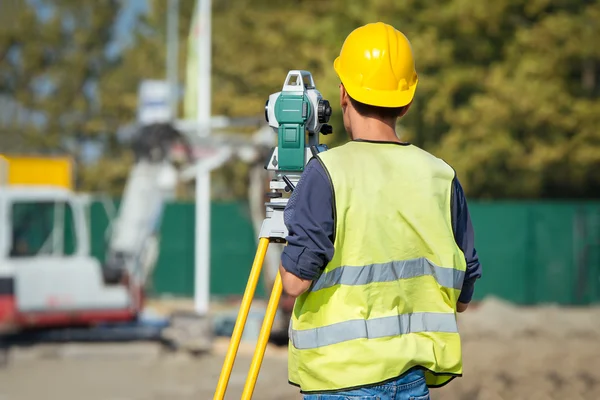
(309, 115)
(240, 323)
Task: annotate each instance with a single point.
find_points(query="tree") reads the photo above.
(507, 94)
(519, 97)
(51, 59)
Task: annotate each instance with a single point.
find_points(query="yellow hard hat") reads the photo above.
(376, 66)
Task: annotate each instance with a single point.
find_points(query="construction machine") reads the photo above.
(48, 277)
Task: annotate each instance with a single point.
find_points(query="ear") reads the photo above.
(343, 97)
(405, 110)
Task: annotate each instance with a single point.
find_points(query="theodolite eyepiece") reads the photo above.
(324, 111)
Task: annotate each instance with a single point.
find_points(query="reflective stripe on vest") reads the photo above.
(391, 271)
(373, 328)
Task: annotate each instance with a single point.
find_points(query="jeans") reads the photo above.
(410, 386)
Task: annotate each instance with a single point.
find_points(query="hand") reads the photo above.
(461, 307)
(292, 285)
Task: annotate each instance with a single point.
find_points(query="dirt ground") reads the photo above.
(509, 353)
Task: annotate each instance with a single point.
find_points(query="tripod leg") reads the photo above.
(263, 338)
(240, 322)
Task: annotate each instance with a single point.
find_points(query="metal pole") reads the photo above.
(202, 255)
(173, 54)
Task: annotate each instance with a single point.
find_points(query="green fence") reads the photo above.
(530, 252)
(233, 245)
(539, 252)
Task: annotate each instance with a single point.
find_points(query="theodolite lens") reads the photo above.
(323, 111)
(267, 110)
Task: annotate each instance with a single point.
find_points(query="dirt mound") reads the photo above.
(516, 353)
(495, 318)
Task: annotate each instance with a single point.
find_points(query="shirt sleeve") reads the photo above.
(309, 219)
(465, 238)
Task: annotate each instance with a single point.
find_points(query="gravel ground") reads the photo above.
(509, 353)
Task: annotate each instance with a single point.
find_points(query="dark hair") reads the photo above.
(367, 110)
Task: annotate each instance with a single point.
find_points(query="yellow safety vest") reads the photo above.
(386, 302)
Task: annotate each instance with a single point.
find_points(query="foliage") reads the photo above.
(49, 65)
(519, 109)
(48, 68)
(508, 90)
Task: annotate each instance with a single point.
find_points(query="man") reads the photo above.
(380, 253)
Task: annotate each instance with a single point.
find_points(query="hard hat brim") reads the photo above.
(380, 98)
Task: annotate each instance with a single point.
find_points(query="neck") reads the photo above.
(374, 129)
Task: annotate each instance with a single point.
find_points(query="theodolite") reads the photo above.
(298, 113)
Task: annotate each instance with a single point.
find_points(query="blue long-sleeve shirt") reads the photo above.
(309, 218)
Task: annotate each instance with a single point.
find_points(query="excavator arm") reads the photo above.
(134, 238)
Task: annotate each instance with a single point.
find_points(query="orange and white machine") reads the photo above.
(48, 277)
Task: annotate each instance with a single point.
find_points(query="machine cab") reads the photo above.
(45, 250)
(42, 222)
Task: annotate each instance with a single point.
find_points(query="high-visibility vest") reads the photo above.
(386, 302)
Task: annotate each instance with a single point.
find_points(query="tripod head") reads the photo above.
(298, 113)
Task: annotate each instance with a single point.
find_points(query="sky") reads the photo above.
(123, 26)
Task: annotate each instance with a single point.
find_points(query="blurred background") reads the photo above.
(133, 185)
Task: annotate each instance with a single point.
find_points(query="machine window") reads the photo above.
(42, 228)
